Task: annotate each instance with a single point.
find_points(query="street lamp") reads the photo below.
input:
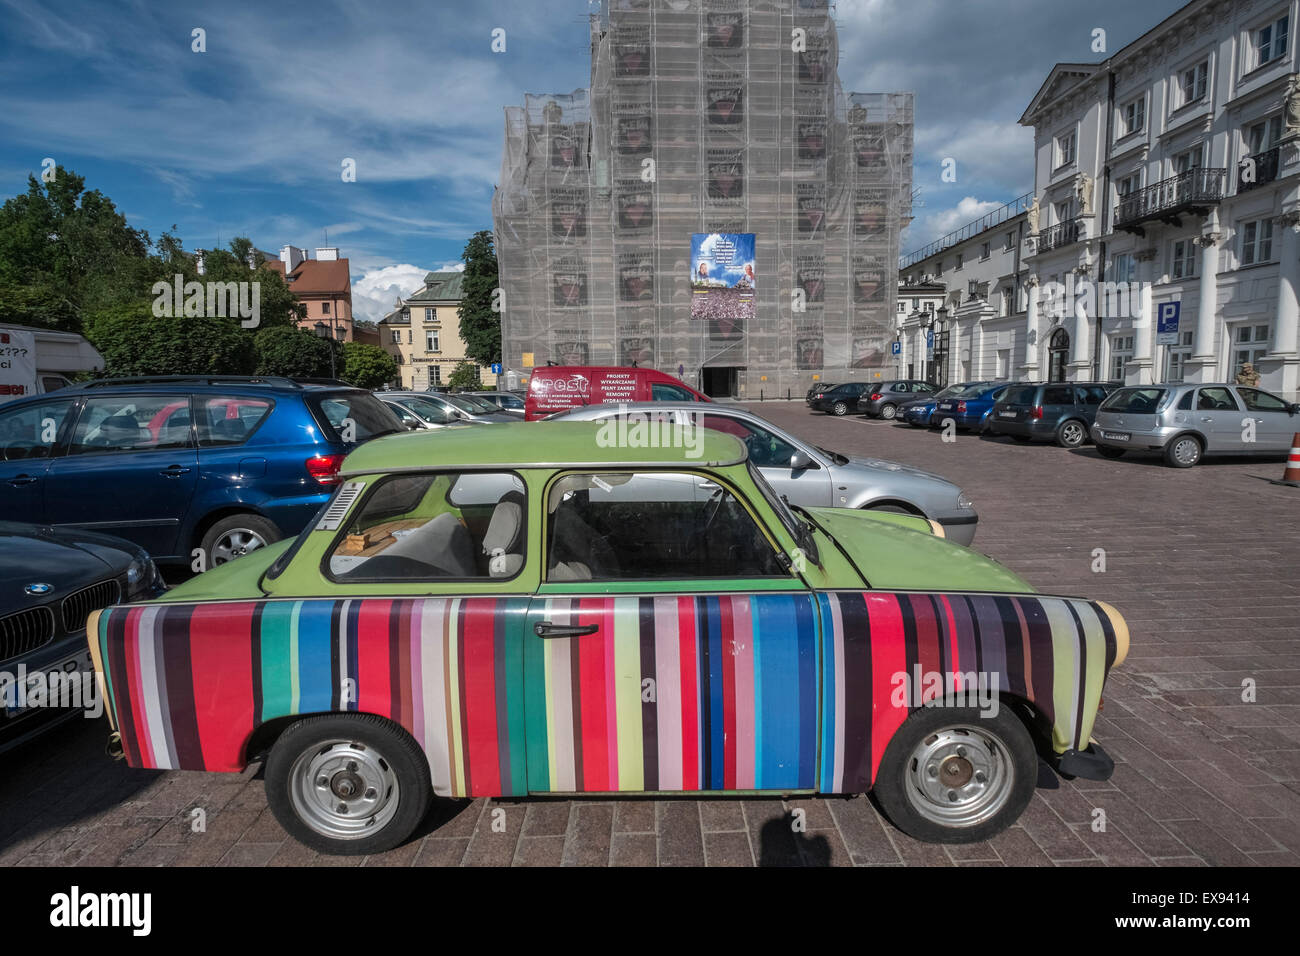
(323, 331)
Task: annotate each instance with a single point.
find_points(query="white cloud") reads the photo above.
(936, 225)
(377, 291)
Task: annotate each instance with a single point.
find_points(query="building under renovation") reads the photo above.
(714, 205)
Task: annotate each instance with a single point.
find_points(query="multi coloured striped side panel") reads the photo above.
(190, 682)
(675, 694)
(887, 654)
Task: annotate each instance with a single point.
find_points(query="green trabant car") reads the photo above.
(526, 609)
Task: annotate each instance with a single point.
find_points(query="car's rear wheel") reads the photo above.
(348, 784)
(957, 774)
(1071, 434)
(1110, 451)
(840, 408)
(1184, 451)
(236, 536)
(888, 412)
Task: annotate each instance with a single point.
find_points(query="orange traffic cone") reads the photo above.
(1291, 476)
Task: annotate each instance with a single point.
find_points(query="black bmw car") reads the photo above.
(50, 582)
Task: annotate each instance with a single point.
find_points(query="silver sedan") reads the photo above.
(806, 474)
(438, 409)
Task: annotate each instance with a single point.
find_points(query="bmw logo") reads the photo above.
(39, 588)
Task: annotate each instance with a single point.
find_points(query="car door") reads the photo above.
(808, 486)
(30, 438)
(1275, 425)
(670, 647)
(130, 469)
(1219, 418)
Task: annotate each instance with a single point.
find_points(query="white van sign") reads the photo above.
(17, 364)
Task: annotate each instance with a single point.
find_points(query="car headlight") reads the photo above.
(142, 577)
(964, 501)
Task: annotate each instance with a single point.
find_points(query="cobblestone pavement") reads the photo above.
(1202, 562)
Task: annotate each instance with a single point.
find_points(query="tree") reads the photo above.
(286, 350)
(367, 366)
(135, 342)
(464, 377)
(480, 326)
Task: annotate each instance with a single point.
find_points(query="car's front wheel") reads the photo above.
(840, 408)
(1184, 451)
(348, 784)
(236, 536)
(957, 774)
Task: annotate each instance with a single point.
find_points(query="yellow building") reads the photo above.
(422, 334)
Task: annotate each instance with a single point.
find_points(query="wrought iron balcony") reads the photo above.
(1258, 169)
(1193, 191)
(1061, 234)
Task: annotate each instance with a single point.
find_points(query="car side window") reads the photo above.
(125, 423)
(925, 387)
(32, 431)
(1092, 394)
(1258, 401)
(1185, 403)
(225, 420)
(766, 450)
(457, 525)
(652, 526)
(663, 392)
(1216, 399)
(1058, 395)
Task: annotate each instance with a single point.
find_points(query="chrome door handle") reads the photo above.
(547, 629)
(174, 471)
(21, 480)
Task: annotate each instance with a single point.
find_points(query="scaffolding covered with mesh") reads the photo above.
(705, 116)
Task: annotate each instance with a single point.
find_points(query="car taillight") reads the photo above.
(961, 408)
(875, 397)
(325, 468)
(1037, 412)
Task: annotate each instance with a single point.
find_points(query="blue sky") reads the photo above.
(248, 137)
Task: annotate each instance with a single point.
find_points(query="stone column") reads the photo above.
(1080, 346)
(1286, 323)
(1030, 366)
(1139, 369)
(1203, 365)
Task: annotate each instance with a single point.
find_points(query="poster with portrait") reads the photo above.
(723, 285)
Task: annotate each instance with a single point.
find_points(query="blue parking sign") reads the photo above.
(897, 348)
(1167, 315)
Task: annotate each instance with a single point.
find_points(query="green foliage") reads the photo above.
(286, 350)
(134, 342)
(367, 366)
(465, 377)
(480, 327)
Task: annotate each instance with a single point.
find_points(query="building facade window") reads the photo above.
(325, 308)
(1065, 149)
(1192, 83)
(409, 338)
(1058, 354)
(1121, 352)
(1256, 241)
(1269, 42)
(1176, 362)
(1008, 300)
(960, 258)
(430, 315)
(1134, 115)
(1264, 135)
(1183, 261)
(1010, 242)
(1189, 159)
(396, 336)
(985, 251)
(1129, 184)
(1123, 268)
(435, 374)
(431, 341)
(1250, 343)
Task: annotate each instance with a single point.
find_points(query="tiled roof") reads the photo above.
(314, 277)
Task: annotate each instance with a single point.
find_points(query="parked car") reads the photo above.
(841, 399)
(918, 411)
(1061, 412)
(438, 410)
(410, 421)
(817, 388)
(1186, 422)
(970, 407)
(50, 582)
(883, 399)
(810, 476)
(505, 401)
(556, 388)
(471, 619)
(222, 464)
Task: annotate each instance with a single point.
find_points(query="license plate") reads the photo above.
(17, 705)
(1007, 414)
(1116, 436)
(945, 407)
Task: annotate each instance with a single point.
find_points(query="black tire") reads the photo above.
(840, 408)
(1071, 433)
(221, 540)
(1110, 451)
(888, 412)
(1184, 451)
(391, 746)
(1003, 734)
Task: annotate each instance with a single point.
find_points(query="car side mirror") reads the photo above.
(800, 460)
(1294, 408)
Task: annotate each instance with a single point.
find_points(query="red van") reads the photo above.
(556, 388)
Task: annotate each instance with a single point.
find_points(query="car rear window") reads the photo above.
(229, 420)
(369, 417)
(1024, 395)
(1136, 401)
(974, 391)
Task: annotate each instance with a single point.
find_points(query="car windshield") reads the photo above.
(972, 391)
(1136, 401)
(949, 392)
(465, 406)
(360, 413)
(481, 404)
(797, 529)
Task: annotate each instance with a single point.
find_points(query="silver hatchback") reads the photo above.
(1186, 422)
(811, 476)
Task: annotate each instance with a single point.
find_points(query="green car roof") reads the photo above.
(544, 445)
